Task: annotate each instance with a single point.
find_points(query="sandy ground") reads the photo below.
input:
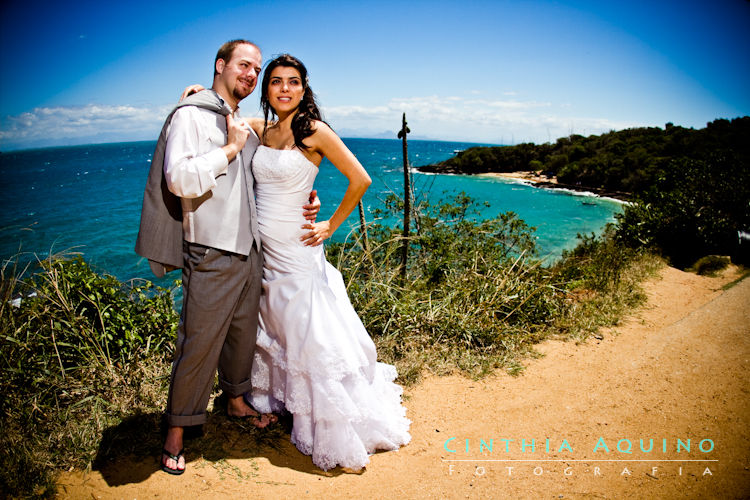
(678, 369)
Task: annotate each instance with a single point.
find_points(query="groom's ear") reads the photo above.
(220, 66)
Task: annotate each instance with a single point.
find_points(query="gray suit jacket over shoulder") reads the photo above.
(160, 233)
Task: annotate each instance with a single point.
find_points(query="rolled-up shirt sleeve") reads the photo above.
(189, 171)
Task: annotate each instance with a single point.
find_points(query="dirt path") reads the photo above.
(678, 370)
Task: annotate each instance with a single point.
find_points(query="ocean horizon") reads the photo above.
(87, 199)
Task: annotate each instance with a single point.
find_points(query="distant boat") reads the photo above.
(456, 151)
(588, 203)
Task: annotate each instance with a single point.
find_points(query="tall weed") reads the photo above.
(84, 359)
(476, 297)
(77, 354)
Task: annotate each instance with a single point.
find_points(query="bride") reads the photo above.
(314, 357)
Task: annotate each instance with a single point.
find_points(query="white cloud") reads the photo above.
(503, 121)
(61, 125)
(472, 119)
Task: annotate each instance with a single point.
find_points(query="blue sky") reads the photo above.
(495, 72)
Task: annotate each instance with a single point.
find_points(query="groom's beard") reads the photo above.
(240, 93)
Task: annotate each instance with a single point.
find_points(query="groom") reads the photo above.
(199, 215)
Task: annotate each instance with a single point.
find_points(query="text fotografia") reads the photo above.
(596, 471)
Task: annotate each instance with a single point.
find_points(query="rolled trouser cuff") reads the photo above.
(185, 420)
(234, 390)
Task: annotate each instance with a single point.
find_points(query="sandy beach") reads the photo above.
(675, 375)
(542, 181)
(530, 176)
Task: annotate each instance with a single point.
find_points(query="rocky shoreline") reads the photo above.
(539, 180)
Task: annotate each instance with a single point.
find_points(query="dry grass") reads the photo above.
(86, 359)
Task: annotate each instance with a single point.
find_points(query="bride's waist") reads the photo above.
(292, 215)
(281, 218)
(281, 214)
(271, 200)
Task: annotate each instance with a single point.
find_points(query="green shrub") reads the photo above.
(475, 297)
(602, 278)
(596, 263)
(629, 160)
(79, 352)
(710, 265)
(84, 359)
(694, 209)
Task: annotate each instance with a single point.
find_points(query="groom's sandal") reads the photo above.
(176, 458)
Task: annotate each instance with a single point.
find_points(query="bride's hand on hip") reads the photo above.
(319, 232)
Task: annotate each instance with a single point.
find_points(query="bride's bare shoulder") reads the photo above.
(322, 130)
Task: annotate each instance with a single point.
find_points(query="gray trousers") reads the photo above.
(218, 328)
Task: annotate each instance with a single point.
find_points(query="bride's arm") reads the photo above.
(192, 89)
(325, 142)
(257, 125)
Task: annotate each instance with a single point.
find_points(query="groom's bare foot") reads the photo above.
(238, 408)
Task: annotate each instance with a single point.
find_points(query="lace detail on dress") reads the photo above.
(279, 164)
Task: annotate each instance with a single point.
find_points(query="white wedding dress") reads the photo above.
(313, 355)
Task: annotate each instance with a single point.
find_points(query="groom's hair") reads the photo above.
(227, 50)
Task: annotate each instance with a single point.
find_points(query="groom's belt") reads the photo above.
(240, 256)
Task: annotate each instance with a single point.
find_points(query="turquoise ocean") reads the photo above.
(87, 199)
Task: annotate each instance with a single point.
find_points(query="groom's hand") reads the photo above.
(311, 209)
(237, 134)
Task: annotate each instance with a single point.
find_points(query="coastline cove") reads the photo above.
(87, 199)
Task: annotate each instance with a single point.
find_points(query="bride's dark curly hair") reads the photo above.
(307, 112)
